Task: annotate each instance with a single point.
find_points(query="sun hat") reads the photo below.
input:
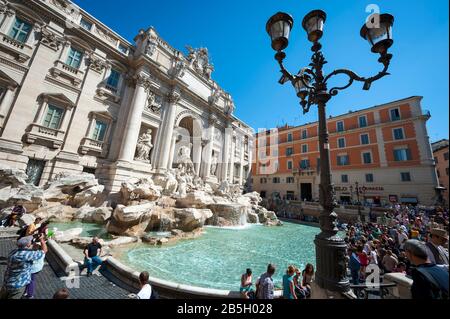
(439, 232)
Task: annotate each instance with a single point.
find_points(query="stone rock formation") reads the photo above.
(188, 219)
(177, 203)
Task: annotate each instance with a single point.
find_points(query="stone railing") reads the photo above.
(55, 137)
(91, 145)
(75, 75)
(402, 290)
(21, 50)
(60, 260)
(108, 91)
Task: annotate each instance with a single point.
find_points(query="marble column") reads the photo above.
(172, 151)
(166, 135)
(226, 153)
(197, 148)
(232, 155)
(241, 168)
(208, 150)
(133, 125)
(7, 99)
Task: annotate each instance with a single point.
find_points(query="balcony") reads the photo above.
(39, 132)
(105, 90)
(61, 69)
(21, 51)
(89, 145)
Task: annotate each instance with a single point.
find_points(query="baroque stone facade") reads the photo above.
(75, 96)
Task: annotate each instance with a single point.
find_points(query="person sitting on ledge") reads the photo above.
(246, 284)
(146, 289)
(92, 254)
(265, 285)
(288, 284)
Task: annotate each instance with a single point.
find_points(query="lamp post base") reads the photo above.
(331, 252)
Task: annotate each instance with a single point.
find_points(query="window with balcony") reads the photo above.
(113, 80)
(305, 148)
(53, 117)
(402, 154)
(362, 121)
(74, 58)
(405, 176)
(86, 24)
(369, 178)
(343, 160)
(341, 142)
(365, 139)
(51, 121)
(367, 157)
(344, 178)
(340, 126)
(20, 30)
(398, 134)
(289, 151)
(304, 164)
(395, 114)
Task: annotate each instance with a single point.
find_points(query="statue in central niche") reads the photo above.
(184, 160)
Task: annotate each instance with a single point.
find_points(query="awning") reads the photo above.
(412, 200)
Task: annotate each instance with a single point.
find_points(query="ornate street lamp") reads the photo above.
(311, 88)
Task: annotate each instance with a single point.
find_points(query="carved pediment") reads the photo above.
(7, 81)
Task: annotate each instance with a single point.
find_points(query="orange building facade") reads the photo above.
(385, 149)
(441, 154)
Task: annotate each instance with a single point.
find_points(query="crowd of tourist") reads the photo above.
(407, 239)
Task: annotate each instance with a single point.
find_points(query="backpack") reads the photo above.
(439, 291)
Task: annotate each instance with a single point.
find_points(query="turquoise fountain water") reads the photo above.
(219, 257)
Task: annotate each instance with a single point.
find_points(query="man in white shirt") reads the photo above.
(146, 289)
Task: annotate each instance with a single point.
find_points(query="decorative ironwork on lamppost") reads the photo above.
(311, 87)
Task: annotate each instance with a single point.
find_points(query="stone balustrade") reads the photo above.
(55, 137)
(73, 74)
(22, 51)
(94, 146)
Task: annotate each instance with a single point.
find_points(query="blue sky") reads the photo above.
(234, 33)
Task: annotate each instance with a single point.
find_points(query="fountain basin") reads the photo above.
(217, 259)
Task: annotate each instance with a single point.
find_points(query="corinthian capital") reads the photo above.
(173, 96)
(142, 79)
(50, 39)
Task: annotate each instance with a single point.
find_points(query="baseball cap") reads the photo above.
(24, 241)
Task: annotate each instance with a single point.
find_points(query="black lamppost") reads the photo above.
(311, 87)
(358, 193)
